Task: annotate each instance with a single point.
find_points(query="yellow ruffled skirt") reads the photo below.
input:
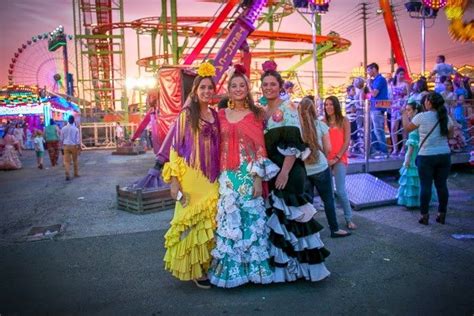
(190, 238)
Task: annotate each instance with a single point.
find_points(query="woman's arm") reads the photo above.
(326, 144)
(407, 125)
(282, 177)
(347, 138)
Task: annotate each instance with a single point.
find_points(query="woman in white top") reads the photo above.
(434, 156)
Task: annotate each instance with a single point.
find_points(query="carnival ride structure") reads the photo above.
(97, 31)
(35, 64)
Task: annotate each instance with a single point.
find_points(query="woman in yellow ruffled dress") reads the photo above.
(192, 172)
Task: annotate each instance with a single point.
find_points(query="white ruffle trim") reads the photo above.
(264, 168)
(311, 272)
(301, 214)
(291, 151)
(308, 242)
(252, 277)
(229, 224)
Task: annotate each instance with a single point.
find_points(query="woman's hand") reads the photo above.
(175, 187)
(332, 162)
(281, 180)
(406, 164)
(257, 187)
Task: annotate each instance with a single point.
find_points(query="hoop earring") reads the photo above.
(246, 103)
(230, 104)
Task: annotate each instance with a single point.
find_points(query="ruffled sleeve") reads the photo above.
(413, 139)
(291, 143)
(176, 165)
(264, 168)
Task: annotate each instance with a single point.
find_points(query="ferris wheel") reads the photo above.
(34, 64)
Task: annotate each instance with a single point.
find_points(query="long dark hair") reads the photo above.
(307, 113)
(437, 102)
(337, 111)
(275, 74)
(421, 86)
(194, 107)
(399, 70)
(248, 98)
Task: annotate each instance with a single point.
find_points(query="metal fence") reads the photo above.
(363, 131)
(102, 135)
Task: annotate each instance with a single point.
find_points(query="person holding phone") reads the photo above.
(192, 172)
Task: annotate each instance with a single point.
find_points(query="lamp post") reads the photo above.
(316, 8)
(425, 9)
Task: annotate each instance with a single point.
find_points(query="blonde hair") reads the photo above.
(307, 114)
(38, 133)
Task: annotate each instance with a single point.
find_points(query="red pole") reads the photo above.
(210, 32)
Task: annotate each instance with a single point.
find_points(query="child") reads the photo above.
(409, 190)
(39, 148)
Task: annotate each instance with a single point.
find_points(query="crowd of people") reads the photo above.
(244, 176)
(50, 138)
(388, 97)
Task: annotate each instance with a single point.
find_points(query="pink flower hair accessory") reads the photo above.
(269, 65)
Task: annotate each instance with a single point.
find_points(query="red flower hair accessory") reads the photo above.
(240, 69)
(269, 65)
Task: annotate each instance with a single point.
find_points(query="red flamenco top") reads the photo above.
(240, 140)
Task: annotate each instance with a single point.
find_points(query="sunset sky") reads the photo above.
(21, 19)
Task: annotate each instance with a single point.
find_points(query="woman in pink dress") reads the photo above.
(9, 160)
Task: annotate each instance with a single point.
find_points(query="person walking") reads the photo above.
(70, 143)
(19, 134)
(339, 134)
(434, 157)
(241, 252)
(192, 171)
(39, 148)
(296, 249)
(51, 136)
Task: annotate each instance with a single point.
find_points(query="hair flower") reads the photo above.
(269, 65)
(238, 68)
(206, 69)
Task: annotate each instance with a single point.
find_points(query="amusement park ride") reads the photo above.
(99, 71)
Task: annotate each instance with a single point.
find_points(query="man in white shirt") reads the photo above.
(441, 69)
(71, 146)
(119, 136)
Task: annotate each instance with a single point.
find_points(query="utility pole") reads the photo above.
(174, 31)
(364, 21)
(164, 23)
(319, 58)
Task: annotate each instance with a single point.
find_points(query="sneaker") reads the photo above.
(68, 178)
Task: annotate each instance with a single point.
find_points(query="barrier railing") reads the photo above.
(363, 144)
(102, 135)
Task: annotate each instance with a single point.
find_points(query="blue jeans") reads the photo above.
(378, 129)
(435, 167)
(339, 171)
(323, 183)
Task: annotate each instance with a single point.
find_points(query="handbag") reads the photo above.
(423, 142)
